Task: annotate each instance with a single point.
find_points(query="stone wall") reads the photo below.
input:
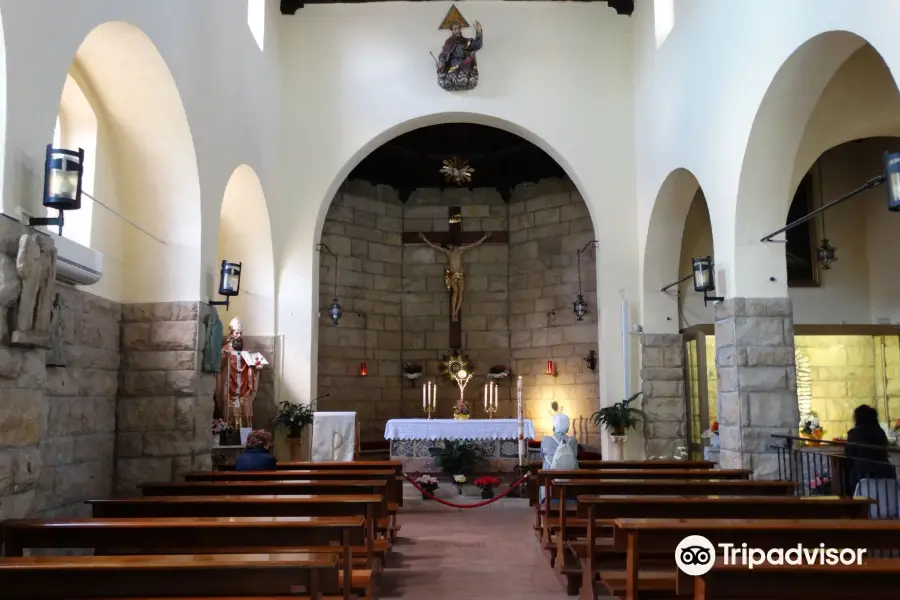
(549, 222)
(426, 301)
(363, 226)
(165, 404)
(756, 381)
(264, 406)
(77, 452)
(663, 402)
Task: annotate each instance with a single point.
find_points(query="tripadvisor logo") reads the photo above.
(695, 555)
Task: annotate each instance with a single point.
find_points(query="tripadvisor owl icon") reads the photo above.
(695, 555)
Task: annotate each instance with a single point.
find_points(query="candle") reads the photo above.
(425, 396)
(549, 367)
(433, 396)
(495, 396)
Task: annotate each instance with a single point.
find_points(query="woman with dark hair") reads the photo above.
(869, 460)
(257, 456)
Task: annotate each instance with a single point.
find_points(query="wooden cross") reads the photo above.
(456, 237)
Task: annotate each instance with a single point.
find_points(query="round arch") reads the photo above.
(767, 177)
(245, 236)
(419, 122)
(662, 252)
(146, 170)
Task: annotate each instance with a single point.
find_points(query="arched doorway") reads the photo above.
(454, 183)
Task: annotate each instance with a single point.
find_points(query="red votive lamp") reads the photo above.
(363, 369)
(549, 367)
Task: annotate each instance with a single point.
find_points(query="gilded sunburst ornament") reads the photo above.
(457, 171)
(457, 367)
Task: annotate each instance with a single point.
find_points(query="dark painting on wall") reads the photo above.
(800, 250)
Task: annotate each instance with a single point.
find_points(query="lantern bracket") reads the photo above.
(707, 298)
(48, 221)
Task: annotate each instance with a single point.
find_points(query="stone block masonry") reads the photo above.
(165, 403)
(363, 226)
(77, 451)
(663, 401)
(548, 223)
(757, 388)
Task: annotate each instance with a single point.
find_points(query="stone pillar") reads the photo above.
(757, 393)
(662, 374)
(165, 406)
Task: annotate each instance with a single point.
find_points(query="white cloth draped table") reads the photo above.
(334, 437)
(458, 430)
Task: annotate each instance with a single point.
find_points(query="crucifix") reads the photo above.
(453, 244)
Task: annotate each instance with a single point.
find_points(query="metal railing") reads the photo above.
(823, 468)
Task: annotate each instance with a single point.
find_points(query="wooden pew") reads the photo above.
(564, 490)
(535, 467)
(602, 511)
(205, 535)
(545, 511)
(876, 578)
(178, 576)
(660, 537)
(369, 506)
(395, 492)
(247, 488)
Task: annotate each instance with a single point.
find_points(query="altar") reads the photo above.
(411, 440)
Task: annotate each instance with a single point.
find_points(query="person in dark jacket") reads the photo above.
(869, 460)
(257, 456)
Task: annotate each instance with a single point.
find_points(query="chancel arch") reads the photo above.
(457, 185)
(245, 236)
(146, 181)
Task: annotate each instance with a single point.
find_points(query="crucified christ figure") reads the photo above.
(454, 278)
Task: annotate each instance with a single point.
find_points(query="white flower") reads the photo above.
(459, 478)
(427, 481)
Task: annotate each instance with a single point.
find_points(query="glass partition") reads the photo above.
(839, 367)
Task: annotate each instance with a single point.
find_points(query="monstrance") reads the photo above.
(457, 369)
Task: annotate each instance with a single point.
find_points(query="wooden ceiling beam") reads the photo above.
(290, 7)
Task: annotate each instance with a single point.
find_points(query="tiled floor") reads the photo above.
(487, 553)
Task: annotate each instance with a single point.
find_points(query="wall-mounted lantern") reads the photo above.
(334, 311)
(229, 283)
(703, 279)
(892, 176)
(580, 307)
(591, 360)
(826, 254)
(63, 173)
(363, 369)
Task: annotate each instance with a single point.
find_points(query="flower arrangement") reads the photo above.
(820, 485)
(840, 438)
(459, 480)
(715, 427)
(498, 372)
(810, 427)
(427, 483)
(461, 410)
(487, 483)
(220, 426)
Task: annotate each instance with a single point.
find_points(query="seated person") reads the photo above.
(869, 461)
(559, 451)
(257, 456)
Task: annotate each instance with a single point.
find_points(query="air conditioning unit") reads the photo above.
(76, 264)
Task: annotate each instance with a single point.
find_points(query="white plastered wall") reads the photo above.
(186, 96)
(558, 74)
(699, 105)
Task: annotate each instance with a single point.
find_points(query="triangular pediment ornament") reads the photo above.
(453, 16)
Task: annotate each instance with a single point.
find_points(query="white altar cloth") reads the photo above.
(453, 429)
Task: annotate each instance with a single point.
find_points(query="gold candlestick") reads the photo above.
(429, 398)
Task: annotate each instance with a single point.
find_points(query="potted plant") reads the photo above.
(412, 372)
(293, 417)
(427, 483)
(459, 480)
(487, 483)
(712, 434)
(456, 458)
(219, 426)
(498, 372)
(619, 418)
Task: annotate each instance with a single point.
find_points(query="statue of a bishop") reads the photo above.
(238, 381)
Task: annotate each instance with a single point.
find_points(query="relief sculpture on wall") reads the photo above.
(36, 268)
(457, 67)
